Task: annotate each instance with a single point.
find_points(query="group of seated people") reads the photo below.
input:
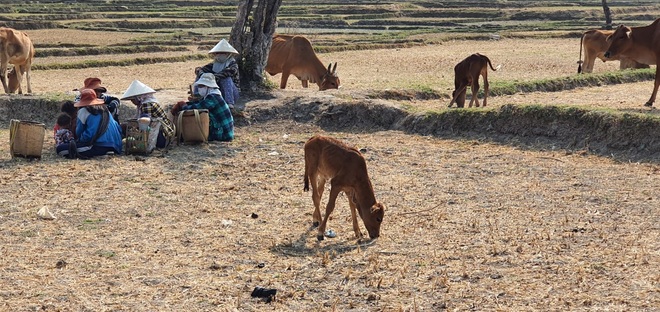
(89, 126)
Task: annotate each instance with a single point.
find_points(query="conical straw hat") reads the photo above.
(223, 46)
(137, 88)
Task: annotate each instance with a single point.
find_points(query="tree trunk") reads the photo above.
(608, 15)
(251, 36)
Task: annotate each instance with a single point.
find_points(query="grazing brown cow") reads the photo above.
(641, 44)
(330, 159)
(466, 73)
(594, 42)
(15, 48)
(294, 55)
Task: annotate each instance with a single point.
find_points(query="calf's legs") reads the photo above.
(352, 203)
(475, 92)
(317, 194)
(334, 191)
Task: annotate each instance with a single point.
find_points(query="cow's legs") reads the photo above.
(304, 83)
(19, 77)
(485, 74)
(589, 60)
(351, 202)
(285, 78)
(27, 77)
(655, 89)
(334, 191)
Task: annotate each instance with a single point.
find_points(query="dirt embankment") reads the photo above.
(623, 136)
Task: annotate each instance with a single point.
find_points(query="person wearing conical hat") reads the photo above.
(97, 133)
(221, 121)
(148, 106)
(225, 69)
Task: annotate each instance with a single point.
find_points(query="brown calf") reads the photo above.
(466, 73)
(328, 159)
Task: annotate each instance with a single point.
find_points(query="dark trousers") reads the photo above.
(83, 151)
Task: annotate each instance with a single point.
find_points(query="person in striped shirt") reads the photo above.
(147, 106)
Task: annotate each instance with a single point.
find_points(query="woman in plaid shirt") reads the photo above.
(221, 122)
(147, 106)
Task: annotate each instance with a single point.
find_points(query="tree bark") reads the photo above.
(608, 15)
(251, 36)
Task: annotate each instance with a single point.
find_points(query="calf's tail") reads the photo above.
(306, 181)
(491, 64)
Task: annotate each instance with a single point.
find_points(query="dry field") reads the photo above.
(469, 226)
(363, 71)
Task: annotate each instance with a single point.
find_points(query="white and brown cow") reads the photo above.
(466, 73)
(328, 159)
(641, 44)
(15, 48)
(294, 55)
(594, 43)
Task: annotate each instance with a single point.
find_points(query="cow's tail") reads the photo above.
(580, 61)
(490, 64)
(306, 180)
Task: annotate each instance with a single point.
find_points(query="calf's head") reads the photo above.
(459, 98)
(13, 81)
(330, 79)
(373, 218)
(618, 41)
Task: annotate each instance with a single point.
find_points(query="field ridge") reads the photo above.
(624, 135)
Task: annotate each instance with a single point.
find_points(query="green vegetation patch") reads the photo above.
(571, 82)
(127, 62)
(503, 87)
(107, 50)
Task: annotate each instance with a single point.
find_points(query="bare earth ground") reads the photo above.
(469, 225)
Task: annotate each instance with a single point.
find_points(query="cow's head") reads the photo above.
(618, 41)
(373, 219)
(330, 79)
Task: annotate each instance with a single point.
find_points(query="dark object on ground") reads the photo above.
(268, 293)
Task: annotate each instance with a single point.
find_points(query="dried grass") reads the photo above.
(469, 225)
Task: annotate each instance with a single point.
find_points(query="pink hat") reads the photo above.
(94, 84)
(87, 98)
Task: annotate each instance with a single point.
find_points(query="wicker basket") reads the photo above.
(138, 141)
(193, 126)
(26, 138)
